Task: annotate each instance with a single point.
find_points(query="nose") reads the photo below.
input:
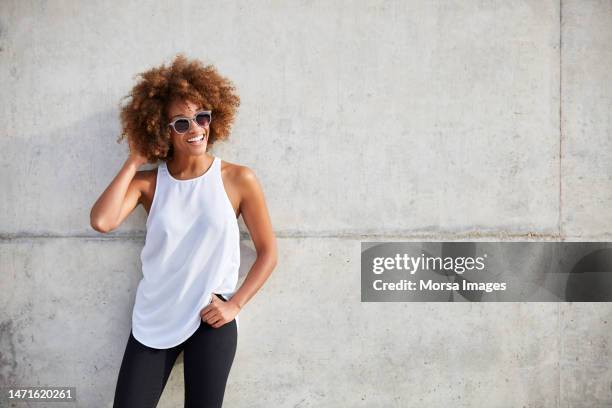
(193, 127)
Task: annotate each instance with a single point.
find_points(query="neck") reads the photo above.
(189, 166)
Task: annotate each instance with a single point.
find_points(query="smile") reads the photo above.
(196, 140)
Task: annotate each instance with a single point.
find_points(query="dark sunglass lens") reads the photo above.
(203, 119)
(181, 125)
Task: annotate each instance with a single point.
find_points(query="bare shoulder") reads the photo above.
(144, 181)
(236, 172)
(239, 175)
(145, 177)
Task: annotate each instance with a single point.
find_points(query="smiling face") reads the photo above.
(181, 143)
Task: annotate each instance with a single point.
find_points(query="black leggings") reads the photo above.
(207, 357)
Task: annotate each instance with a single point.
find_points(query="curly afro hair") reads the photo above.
(144, 117)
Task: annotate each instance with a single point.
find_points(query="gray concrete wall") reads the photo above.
(415, 120)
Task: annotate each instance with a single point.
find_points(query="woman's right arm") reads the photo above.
(120, 197)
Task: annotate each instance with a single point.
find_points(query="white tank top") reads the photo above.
(191, 250)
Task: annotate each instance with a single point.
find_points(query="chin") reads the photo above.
(200, 151)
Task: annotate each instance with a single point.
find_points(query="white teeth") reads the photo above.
(196, 139)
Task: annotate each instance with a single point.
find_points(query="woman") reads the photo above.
(187, 299)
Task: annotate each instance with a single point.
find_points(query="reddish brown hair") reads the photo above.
(144, 117)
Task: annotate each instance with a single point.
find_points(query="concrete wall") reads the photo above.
(415, 120)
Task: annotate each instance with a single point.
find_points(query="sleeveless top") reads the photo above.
(191, 251)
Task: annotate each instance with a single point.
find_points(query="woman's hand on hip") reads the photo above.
(219, 312)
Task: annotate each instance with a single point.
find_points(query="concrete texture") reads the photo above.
(413, 120)
(587, 119)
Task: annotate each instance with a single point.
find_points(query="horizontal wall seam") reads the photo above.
(344, 234)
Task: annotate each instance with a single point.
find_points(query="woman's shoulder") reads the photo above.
(235, 170)
(238, 173)
(145, 181)
(146, 176)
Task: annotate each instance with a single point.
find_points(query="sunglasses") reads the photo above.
(183, 124)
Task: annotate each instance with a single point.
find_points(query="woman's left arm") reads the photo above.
(255, 215)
